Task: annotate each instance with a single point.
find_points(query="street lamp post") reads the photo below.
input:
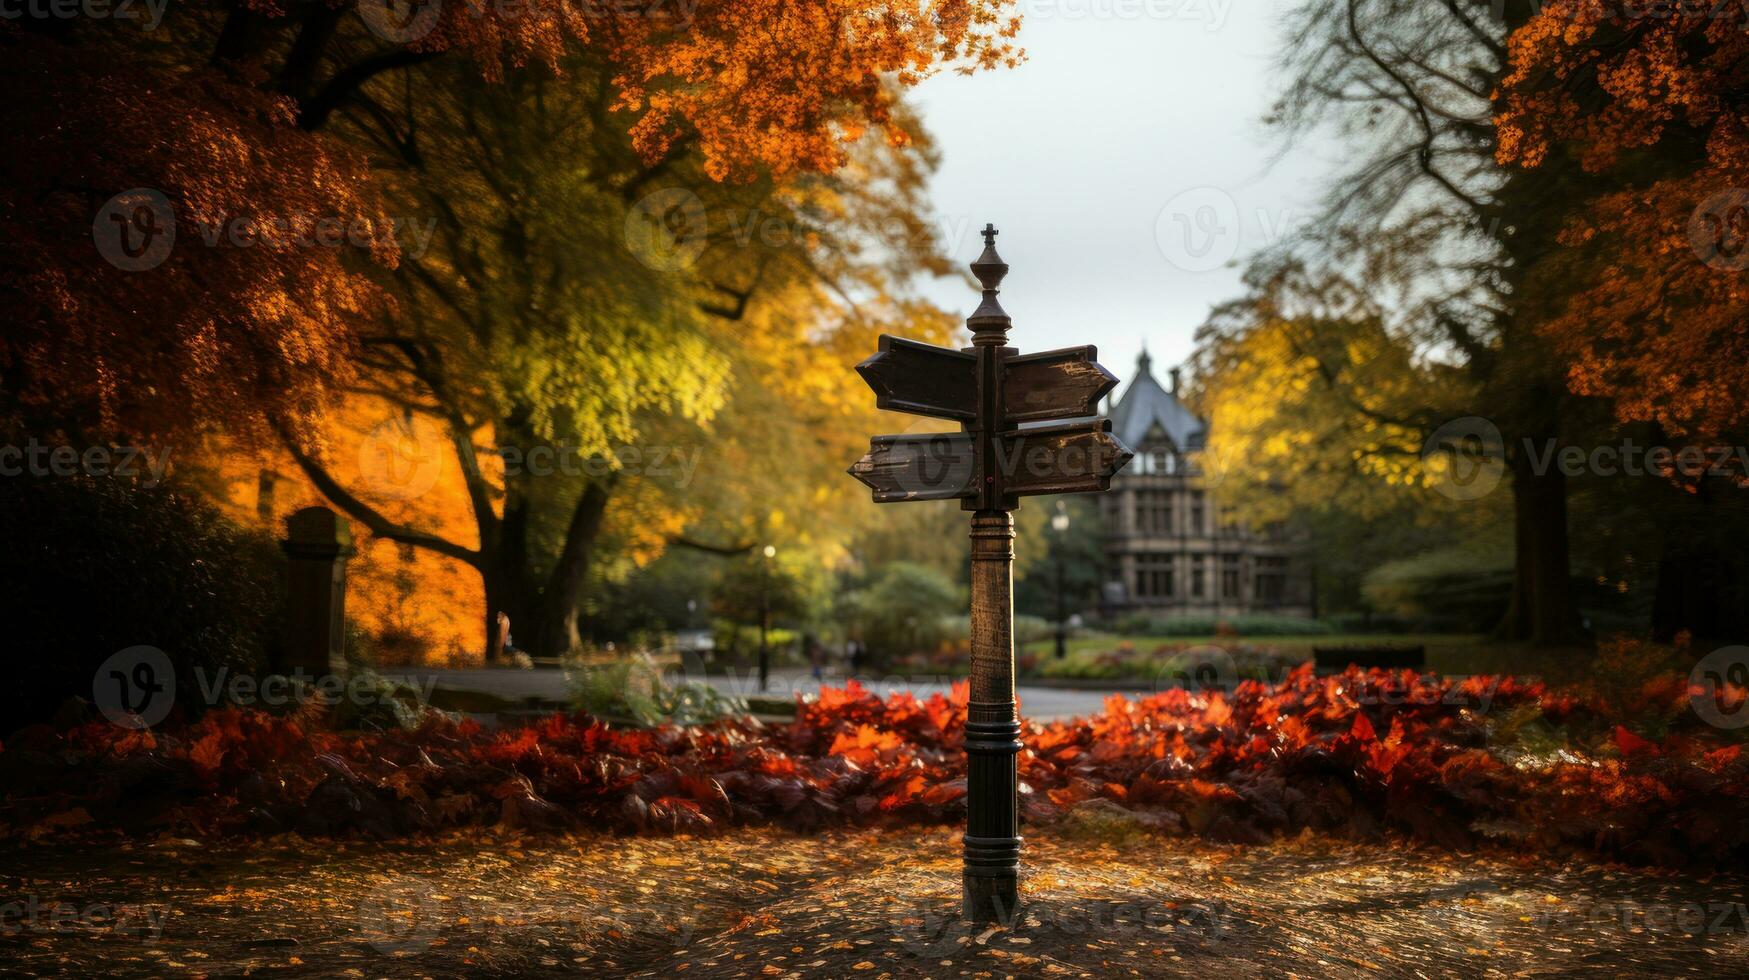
(1060, 524)
(765, 617)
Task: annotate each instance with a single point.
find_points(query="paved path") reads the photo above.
(1041, 703)
(758, 904)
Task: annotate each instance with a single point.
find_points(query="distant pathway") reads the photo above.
(1040, 703)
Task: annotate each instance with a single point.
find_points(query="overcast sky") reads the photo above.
(1124, 163)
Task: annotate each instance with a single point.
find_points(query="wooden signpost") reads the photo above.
(998, 396)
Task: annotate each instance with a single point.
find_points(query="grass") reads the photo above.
(1446, 653)
(1106, 641)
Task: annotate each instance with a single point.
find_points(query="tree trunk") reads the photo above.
(1541, 609)
(562, 600)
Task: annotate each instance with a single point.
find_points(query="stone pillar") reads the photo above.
(318, 542)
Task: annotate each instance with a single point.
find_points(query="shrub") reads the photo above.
(634, 690)
(1463, 588)
(906, 608)
(93, 566)
(1254, 624)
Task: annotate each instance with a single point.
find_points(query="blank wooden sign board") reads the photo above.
(999, 396)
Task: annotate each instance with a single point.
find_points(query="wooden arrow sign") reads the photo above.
(923, 379)
(920, 466)
(1077, 458)
(1055, 384)
(926, 380)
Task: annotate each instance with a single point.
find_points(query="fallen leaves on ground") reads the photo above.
(1352, 754)
(849, 903)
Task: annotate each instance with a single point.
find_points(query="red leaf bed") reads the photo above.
(1354, 754)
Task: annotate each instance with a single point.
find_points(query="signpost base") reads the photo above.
(992, 841)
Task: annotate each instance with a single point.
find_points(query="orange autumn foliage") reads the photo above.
(415, 606)
(753, 86)
(1655, 301)
(221, 330)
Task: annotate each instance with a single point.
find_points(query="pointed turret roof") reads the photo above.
(1146, 406)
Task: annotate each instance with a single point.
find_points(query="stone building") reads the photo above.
(1169, 551)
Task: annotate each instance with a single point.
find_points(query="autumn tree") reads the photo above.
(660, 358)
(1654, 104)
(159, 273)
(1320, 417)
(1427, 219)
(1650, 300)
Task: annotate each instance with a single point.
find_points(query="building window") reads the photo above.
(1197, 507)
(1154, 576)
(1155, 462)
(1156, 511)
(1271, 579)
(1196, 577)
(1229, 576)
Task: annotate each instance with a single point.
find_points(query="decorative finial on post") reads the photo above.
(988, 322)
